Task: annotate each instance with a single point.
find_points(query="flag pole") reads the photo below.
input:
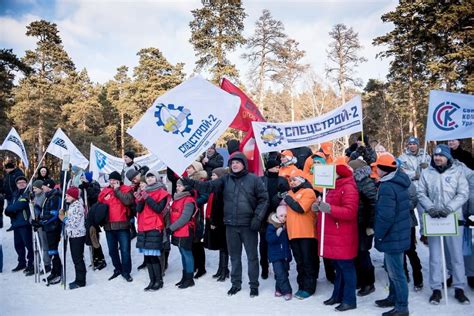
(323, 222)
(36, 170)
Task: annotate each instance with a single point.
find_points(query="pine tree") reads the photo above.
(153, 76)
(216, 30)
(9, 64)
(343, 54)
(288, 68)
(264, 45)
(39, 96)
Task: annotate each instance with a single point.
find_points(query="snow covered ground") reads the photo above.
(19, 295)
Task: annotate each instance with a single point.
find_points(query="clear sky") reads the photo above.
(102, 35)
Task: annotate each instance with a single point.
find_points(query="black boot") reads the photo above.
(162, 264)
(219, 270)
(143, 265)
(151, 274)
(188, 281)
(225, 269)
(167, 255)
(158, 277)
(182, 279)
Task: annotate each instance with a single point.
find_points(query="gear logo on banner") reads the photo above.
(175, 120)
(271, 135)
(443, 116)
(101, 159)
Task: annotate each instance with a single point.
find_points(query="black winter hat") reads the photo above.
(49, 183)
(132, 173)
(115, 175)
(130, 154)
(20, 178)
(239, 156)
(272, 163)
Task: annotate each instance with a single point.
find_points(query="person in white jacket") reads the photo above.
(413, 162)
(442, 190)
(74, 221)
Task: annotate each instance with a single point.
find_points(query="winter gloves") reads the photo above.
(255, 224)
(369, 231)
(437, 213)
(322, 207)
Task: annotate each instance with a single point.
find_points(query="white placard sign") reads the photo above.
(324, 176)
(444, 226)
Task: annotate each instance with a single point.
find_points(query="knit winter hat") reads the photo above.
(130, 154)
(288, 154)
(49, 183)
(443, 150)
(21, 178)
(115, 176)
(88, 175)
(132, 173)
(272, 163)
(298, 175)
(221, 171)
(73, 192)
(357, 163)
(318, 157)
(413, 140)
(197, 166)
(38, 184)
(152, 173)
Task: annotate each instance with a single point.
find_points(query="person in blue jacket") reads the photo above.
(19, 212)
(279, 253)
(393, 230)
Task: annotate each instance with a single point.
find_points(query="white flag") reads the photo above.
(102, 163)
(344, 120)
(450, 116)
(14, 144)
(61, 145)
(185, 121)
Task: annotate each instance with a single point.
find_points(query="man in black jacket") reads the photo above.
(460, 154)
(245, 204)
(9, 184)
(212, 160)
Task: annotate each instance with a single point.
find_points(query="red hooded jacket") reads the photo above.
(341, 231)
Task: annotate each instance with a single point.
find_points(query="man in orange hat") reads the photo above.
(288, 164)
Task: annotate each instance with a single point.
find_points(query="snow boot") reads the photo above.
(142, 266)
(151, 274)
(188, 281)
(182, 279)
(158, 277)
(459, 295)
(225, 267)
(435, 298)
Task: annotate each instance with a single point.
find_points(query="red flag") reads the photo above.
(249, 148)
(248, 110)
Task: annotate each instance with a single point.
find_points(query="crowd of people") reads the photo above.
(378, 200)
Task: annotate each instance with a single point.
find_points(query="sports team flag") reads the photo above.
(102, 163)
(61, 146)
(450, 116)
(14, 144)
(345, 120)
(248, 113)
(185, 121)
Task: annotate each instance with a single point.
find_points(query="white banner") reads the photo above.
(61, 146)
(344, 120)
(185, 121)
(103, 163)
(14, 144)
(450, 116)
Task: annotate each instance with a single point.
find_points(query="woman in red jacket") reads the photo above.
(341, 235)
(151, 203)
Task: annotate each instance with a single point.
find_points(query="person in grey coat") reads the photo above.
(245, 204)
(442, 190)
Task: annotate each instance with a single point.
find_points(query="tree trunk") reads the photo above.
(122, 133)
(261, 86)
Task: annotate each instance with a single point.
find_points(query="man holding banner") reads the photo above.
(442, 190)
